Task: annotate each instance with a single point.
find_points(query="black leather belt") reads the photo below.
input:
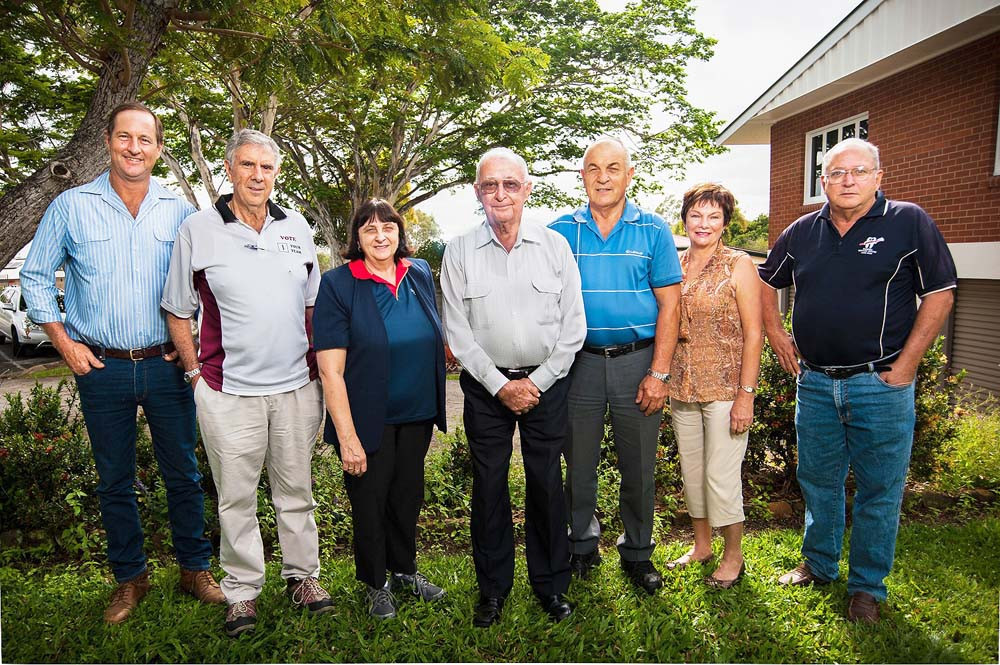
(515, 373)
(620, 350)
(845, 372)
(154, 351)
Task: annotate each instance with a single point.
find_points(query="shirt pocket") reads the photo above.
(164, 234)
(475, 297)
(548, 291)
(92, 251)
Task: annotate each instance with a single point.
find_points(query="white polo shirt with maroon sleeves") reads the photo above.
(252, 290)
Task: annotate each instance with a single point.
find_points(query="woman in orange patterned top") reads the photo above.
(714, 374)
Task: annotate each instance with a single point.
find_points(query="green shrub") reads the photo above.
(972, 457)
(937, 416)
(47, 478)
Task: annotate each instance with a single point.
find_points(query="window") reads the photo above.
(818, 142)
(996, 162)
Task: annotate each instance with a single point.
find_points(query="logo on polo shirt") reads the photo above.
(868, 246)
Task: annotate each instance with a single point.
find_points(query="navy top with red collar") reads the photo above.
(855, 294)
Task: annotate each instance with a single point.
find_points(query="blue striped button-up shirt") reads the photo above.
(115, 264)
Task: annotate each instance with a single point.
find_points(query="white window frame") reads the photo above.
(807, 198)
(996, 161)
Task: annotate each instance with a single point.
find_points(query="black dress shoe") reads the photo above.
(581, 564)
(643, 574)
(487, 611)
(556, 606)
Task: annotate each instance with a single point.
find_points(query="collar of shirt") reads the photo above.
(274, 211)
(526, 232)
(630, 213)
(101, 186)
(878, 208)
(360, 271)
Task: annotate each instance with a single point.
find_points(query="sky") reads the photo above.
(758, 41)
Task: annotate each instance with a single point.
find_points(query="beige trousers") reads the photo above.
(711, 459)
(241, 435)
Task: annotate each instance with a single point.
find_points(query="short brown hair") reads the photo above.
(134, 106)
(710, 192)
(381, 210)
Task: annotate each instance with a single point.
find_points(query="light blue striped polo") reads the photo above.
(619, 272)
(115, 264)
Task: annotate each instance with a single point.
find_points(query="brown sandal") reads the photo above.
(716, 583)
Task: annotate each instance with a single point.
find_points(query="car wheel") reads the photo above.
(15, 343)
(3, 337)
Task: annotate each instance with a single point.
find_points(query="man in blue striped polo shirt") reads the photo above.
(631, 290)
(114, 237)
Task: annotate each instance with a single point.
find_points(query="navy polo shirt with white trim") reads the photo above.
(855, 296)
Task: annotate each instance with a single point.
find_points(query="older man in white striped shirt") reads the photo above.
(114, 237)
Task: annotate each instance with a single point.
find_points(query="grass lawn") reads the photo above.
(942, 608)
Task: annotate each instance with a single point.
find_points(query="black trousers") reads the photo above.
(386, 502)
(490, 428)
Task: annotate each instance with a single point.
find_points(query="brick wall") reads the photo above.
(936, 127)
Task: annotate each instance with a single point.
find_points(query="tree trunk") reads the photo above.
(85, 156)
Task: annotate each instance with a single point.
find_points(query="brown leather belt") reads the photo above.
(154, 351)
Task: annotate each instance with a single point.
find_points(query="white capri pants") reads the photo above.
(242, 435)
(711, 460)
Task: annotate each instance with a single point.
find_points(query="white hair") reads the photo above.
(851, 144)
(251, 137)
(506, 153)
(608, 139)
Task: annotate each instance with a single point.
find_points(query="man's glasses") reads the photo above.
(860, 173)
(491, 186)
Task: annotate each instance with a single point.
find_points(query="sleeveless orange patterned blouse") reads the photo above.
(706, 364)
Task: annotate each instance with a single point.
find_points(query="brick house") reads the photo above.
(921, 80)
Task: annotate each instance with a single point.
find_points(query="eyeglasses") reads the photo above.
(860, 173)
(491, 186)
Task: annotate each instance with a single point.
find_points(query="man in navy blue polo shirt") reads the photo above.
(631, 289)
(858, 266)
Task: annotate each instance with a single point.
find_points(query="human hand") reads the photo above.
(652, 395)
(352, 456)
(784, 347)
(79, 358)
(898, 375)
(741, 414)
(520, 396)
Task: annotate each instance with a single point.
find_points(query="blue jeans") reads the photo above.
(865, 424)
(109, 398)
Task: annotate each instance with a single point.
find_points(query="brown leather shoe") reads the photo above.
(862, 608)
(126, 598)
(800, 576)
(201, 585)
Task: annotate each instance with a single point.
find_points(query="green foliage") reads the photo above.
(972, 457)
(46, 474)
(444, 521)
(942, 608)
(937, 418)
(772, 442)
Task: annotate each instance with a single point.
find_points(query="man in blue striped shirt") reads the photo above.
(631, 290)
(114, 237)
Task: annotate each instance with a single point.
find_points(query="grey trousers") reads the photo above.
(596, 385)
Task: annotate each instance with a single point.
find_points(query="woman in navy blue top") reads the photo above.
(380, 353)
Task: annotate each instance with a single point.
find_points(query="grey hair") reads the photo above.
(849, 144)
(608, 139)
(506, 153)
(251, 137)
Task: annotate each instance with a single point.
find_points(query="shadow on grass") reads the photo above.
(942, 608)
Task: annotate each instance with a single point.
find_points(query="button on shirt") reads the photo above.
(620, 272)
(253, 289)
(855, 294)
(115, 264)
(520, 309)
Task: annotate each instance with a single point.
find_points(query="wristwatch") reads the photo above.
(190, 374)
(749, 389)
(659, 376)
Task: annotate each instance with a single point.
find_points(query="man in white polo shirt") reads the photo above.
(249, 268)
